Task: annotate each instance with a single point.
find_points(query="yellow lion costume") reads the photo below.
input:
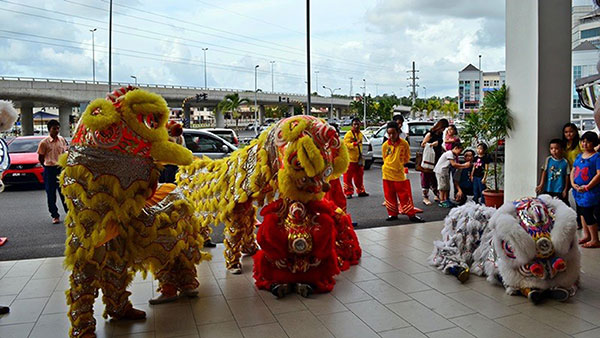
(293, 160)
(119, 221)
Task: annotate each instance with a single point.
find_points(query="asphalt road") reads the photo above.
(25, 220)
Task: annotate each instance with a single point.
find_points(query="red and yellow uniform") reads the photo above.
(355, 172)
(396, 186)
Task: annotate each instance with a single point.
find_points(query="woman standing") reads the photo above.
(571, 141)
(435, 138)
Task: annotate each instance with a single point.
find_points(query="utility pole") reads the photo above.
(350, 87)
(480, 82)
(365, 103)
(308, 74)
(331, 106)
(317, 81)
(414, 85)
(272, 82)
(256, 120)
(110, 48)
(93, 56)
(205, 83)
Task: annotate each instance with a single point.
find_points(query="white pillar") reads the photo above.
(538, 77)
(291, 110)
(63, 118)
(26, 118)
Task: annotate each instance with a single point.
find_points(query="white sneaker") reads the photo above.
(426, 201)
(162, 298)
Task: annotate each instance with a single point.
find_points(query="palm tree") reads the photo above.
(449, 109)
(232, 103)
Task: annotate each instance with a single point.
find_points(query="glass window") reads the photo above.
(496, 83)
(380, 133)
(202, 144)
(418, 129)
(486, 83)
(24, 145)
(590, 33)
(576, 72)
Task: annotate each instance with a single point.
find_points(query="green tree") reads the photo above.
(432, 105)
(231, 103)
(450, 109)
(385, 107)
(357, 108)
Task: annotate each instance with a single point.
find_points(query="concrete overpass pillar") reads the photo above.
(64, 112)
(291, 110)
(186, 115)
(538, 78)
(261, 114)
(219, 118)
(339, 113)
(26, 118)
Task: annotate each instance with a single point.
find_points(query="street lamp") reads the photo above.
(425, 89)
(350, 87)
(135, 79)
(331, 107)
(365, 103)
(204, 50)
(272, 82)
(110, 48)
(255, 99)
(317, 81)
(93, 56)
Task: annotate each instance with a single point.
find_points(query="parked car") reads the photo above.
(415, 131)
(367, 150)
(227, 134)
(250, 126)
(204, 143)
(24, 167)
(369, 131)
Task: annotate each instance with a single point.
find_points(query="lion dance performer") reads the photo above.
(276, 165)
(119, 222)
(529, 246)
(8, 116)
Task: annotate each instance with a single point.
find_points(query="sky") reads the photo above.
(161, 42)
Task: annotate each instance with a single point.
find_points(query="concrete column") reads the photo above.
(538, 77)
(291, 110)
(219, 118)
(187, 115)
(26, 118)
(339, 113)
(261, 114)
(63, 118)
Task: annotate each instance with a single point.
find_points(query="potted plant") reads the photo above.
(491, 125)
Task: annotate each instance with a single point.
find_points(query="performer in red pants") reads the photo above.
(354, 175)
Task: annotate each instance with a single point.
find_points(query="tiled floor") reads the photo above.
(392, 293)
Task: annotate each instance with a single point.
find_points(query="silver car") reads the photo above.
(367, 150)
(415, 131)
(204, 143)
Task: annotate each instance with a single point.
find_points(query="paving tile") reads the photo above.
(24, 268)
(406, 264)
(441, 282)
(409, 332)
(482, 304)
(37, 288)
(56, 304)
(250, 311)
(595, 333)
(137, 335)
(208, 287)
(419, 316)
(57, 326)
(528, 327)
(403, 282)
(7, 300)
(172, 320)
(141, 293)
(347, 292)
(347, 325)
(441, 304)
(383, 292)
(264, 331)
(220, 330)
(580, 310)
(324, 303)
(16, 331)
(358, 274)
(494, 291)
(555, 318)
(49, 270)
(479, 326)
(24, 311)
(129, 327)
(289, 303)
(5, 267)
(377, 316)
(302, 324)
(12, 286)
(454, 332)
(238, 287)
(375, 265)
(210, 310)
(379, 251)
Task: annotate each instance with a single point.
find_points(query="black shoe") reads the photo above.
(280, 290)
(559, 294)
(349, 196)
(392, 218)
(209, 244)
(416, 219)
(4, 310)
(535, 296)
(304, 290)
(363, 194)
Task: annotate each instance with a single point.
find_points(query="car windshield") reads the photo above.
(227, 135)
(23, 145)
(419, 129)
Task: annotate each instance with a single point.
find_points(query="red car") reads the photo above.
(24, 164)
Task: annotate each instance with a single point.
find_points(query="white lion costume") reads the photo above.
(529, 246)
(8, 116)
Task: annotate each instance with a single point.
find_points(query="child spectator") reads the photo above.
(442, 172)
(481, 164)
(396, 186)
(571, 142)
(555, 171)
(585, 177)
(450, 137)
(463, 185)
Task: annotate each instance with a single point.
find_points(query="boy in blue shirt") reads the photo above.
(555, 173)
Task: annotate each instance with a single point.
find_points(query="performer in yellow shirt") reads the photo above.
(396, 186)
(353, 140)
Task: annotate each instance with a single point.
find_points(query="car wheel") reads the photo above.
(368, 164)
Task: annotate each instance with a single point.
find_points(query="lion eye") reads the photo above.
(148, 120)
(295, 162)
(508, 250)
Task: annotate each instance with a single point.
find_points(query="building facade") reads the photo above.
(470, 92)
